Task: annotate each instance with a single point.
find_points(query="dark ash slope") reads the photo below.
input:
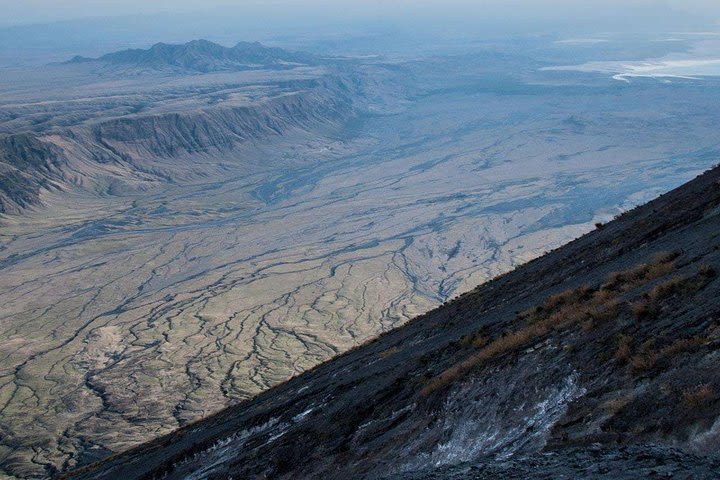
(560, 367)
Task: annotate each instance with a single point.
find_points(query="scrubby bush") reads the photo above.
(683, 345)
(623, 352)
(706, 270)
(644, 310)
(700, 396)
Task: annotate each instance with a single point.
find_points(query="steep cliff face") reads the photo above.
(598, 360)
(27, 166)
(218, 130)
(143, 150)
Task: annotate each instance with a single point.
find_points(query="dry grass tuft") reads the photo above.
(466, 340)
(604, 296)
(603, 310)
(699, 396)
(644, 310)
(706, 270)
(643, 362)
(664, 257)
(623, 352)
(656, 270)
(559, 299)
(669, 288)
(683, 345)
(615, 405)
(390, 351)
(493, 349)
(662, 264)
(477, 340)
(480, 341)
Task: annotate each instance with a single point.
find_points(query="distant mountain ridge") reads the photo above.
(201, 56)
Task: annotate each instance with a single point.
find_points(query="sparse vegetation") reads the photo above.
(644, 310)
(615, 405)
(570, 307)
(477, 339)
(643, 362)
(588, 308)
(560, 299)
(683, 345)
(662, 264)
(497, 347)
(706, 270)
(700, 396)
(669, 288)
(664, 257)
(623, 352)
(390, 351)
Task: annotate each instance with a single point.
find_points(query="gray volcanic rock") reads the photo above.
(621, 463)
(201, 56)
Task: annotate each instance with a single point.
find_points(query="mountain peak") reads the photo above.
(199, 56)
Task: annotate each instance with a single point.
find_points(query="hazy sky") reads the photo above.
(40, 31)
(35, 11)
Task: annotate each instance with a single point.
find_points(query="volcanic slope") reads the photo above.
(598, 360)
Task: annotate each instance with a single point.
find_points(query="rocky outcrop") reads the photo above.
(27, 166)
(592, 463)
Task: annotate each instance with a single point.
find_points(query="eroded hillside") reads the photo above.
(153, 131)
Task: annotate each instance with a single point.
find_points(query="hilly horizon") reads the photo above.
(200, 56)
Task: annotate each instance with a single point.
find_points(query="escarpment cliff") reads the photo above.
(27, 165)
(219, 129)
(163, 143)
